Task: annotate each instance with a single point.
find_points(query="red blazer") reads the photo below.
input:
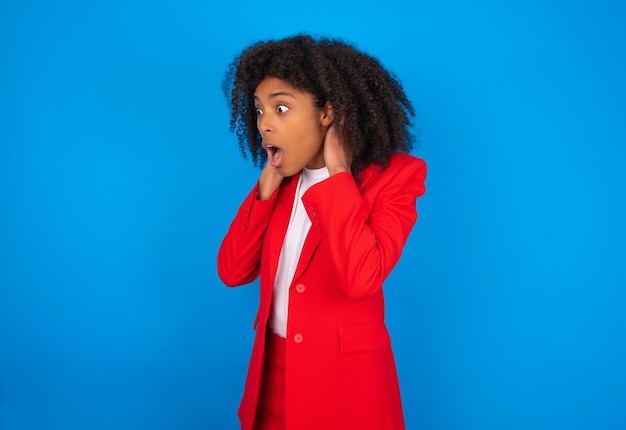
(340, 370)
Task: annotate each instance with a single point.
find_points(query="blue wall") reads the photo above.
(118, 178)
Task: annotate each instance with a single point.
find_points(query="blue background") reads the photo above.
(118, 179)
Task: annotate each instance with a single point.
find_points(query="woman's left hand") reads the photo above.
(335, 156)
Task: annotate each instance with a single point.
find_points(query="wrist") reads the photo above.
(265, 192)
(269, 181)
(334, 170)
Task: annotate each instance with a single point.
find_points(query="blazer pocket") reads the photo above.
(363, 337)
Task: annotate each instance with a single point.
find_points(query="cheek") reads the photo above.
(317, 139)
(305, 137)
(314, 134)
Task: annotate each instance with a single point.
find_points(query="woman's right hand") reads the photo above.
(268, 182)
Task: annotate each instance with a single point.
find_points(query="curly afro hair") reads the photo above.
(371, 110)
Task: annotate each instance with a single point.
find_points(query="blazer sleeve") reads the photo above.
(239, 256)
(365, 245)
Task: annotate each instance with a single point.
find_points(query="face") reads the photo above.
(291, 125)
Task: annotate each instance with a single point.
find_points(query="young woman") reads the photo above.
(323, 227)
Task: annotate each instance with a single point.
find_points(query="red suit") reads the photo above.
(340, 370)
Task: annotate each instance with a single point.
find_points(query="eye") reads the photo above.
(259, 112)
(282, 109)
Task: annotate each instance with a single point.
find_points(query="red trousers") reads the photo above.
(270, 413)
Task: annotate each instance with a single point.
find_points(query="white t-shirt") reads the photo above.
(299, 225)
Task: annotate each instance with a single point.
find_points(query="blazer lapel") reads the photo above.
(314, 236)
(282, 214)
(311, 243)
(277, 228)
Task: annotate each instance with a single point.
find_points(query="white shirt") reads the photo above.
(298, 228)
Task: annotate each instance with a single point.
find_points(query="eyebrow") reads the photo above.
(276, 94)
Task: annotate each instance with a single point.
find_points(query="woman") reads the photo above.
(323, 227)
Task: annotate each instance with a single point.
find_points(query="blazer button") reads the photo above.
(300, 288)
(298, 338)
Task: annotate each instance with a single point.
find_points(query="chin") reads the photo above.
(287, 174)
(288, 171)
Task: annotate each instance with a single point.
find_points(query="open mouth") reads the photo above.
(273, 152)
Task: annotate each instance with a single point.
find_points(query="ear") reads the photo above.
(327, 115)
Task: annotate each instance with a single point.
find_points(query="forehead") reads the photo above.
(271, 87)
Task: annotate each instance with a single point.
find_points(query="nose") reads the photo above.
(263, 124)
